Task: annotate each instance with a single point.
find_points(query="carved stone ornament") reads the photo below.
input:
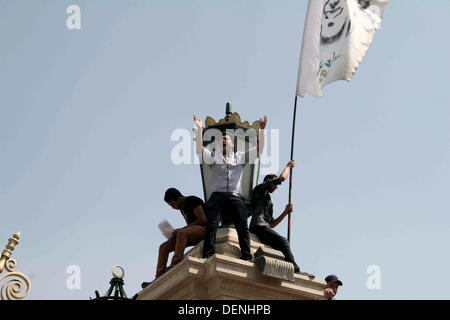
(233, 118)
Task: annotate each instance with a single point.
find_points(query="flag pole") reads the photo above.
(290, 171)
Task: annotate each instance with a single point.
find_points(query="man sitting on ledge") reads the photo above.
(192, 209)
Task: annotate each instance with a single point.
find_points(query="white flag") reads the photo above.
(336, 37)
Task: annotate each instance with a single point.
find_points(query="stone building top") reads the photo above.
(225, 276)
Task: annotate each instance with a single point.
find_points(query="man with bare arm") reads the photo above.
(192, 210)
(226, 167)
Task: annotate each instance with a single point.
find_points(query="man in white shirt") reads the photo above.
(226, 198)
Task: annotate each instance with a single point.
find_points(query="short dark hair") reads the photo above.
(172, 194)
(270, 177)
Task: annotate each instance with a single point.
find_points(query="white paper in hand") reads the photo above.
(166, 229)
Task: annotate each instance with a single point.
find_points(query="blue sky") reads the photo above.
(86, 118)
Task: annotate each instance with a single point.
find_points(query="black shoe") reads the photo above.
(145, 284)
(167, 269)
(247, 258)
(207, 256)
(304, 274)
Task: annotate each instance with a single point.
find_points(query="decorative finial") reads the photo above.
(12, 288)
(14, 241)
(114, 273)
(115, 291)
(228, 111)
(6, 254)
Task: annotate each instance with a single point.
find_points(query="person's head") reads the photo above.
(174, 198)
(270, 177)
(333, 283)
(227, 142)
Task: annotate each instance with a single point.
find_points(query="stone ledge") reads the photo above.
(225, 276)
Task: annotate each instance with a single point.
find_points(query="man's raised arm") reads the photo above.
(262, 126)
(198, 135)
(286, 170)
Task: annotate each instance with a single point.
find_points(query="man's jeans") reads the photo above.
(219, 205)
(270, 237)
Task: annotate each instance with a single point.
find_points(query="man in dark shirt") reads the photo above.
(192, 209)
(262, 215)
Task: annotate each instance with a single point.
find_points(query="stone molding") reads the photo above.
(225, 276)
